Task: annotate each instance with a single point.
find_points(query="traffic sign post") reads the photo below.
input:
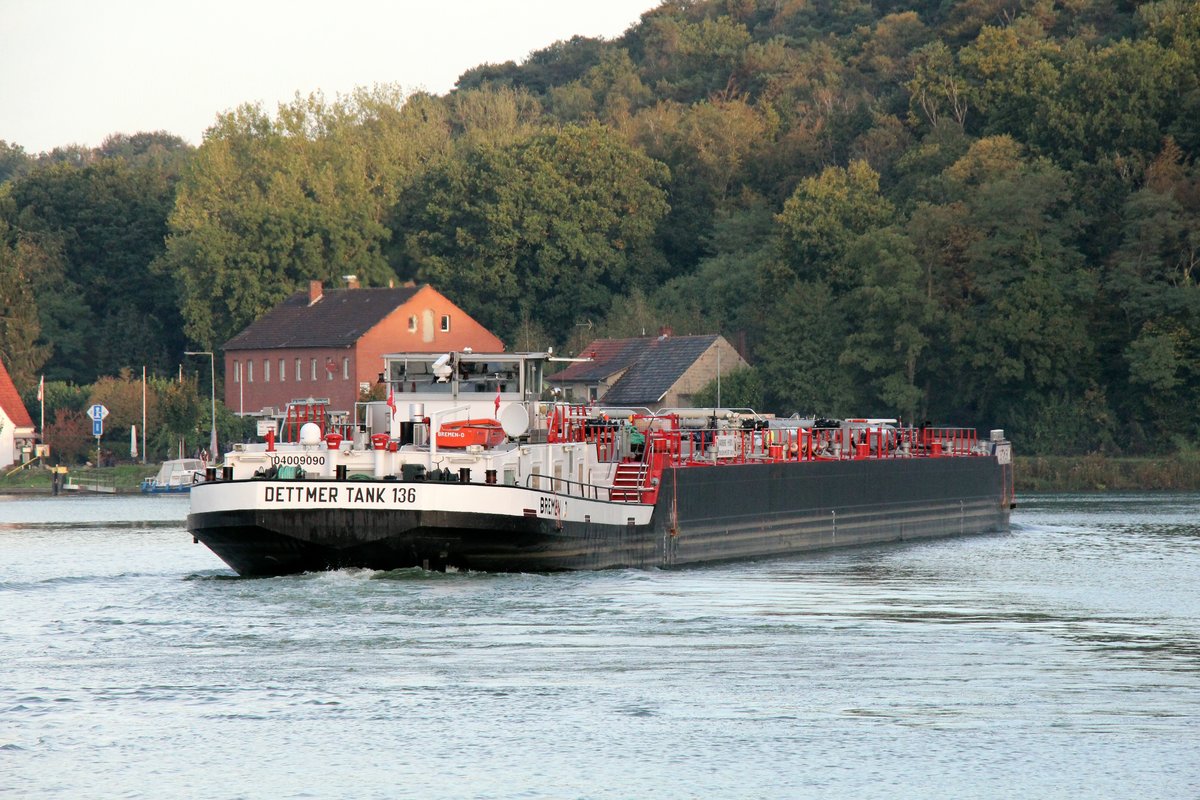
(97, 412)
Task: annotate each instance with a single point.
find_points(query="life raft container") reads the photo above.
(463, 433)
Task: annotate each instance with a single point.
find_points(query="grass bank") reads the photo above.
(1098, 473)
(123, 478)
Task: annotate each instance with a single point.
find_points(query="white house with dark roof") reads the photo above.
(653, 373)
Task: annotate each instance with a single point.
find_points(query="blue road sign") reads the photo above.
(97, 427)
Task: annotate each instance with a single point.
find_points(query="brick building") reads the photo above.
(329, 344)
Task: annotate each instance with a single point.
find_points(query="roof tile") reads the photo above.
(338, 319)
(652, 365)
(10, 401)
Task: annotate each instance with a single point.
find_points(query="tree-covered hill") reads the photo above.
(985, 212)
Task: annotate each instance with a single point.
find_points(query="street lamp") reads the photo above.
(212, 449)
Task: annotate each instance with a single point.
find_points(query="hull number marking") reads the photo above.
(298, 461)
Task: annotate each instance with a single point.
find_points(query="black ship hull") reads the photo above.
(702, 515)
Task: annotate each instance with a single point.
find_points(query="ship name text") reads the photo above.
(340, 495)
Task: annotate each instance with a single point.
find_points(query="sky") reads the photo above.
(75, 71)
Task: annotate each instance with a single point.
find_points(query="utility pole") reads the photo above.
(212, 364)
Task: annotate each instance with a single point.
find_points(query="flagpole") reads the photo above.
(42, 402)
(143, 413)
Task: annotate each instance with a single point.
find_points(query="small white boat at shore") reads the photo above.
(174, 476)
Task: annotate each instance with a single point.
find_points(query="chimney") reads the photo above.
(314, 291)
(664, 332)
(351, 281)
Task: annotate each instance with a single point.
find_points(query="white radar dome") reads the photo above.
(310, 434)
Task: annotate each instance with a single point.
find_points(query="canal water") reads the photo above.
(1061, 660)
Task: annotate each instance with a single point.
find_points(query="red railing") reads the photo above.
(300, 413)
(667, 443)
(697, 447)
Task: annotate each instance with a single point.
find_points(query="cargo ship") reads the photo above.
(467, 466)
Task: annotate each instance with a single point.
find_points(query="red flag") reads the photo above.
(497, 402)
(392, 401)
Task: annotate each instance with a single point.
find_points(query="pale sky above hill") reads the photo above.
(75, 71)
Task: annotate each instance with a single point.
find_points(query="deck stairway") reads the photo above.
(629, 482)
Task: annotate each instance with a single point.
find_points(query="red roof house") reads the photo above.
(16, 427)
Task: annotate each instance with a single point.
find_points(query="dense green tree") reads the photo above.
(270, 203)
(14, 162)
(552, 227)
(893, 317)
(1019, 337)
(610, 91)
(98, 228)
(725, 292)
(1012, 71)
(825, 215)
(162, 150)
(122, 395)
(181, 411)
(1110, 100)
(937, 89)
(56, 395)
(706, 148)
(798, 356)
(20, 327)
(1154, 281)
(690, 59)
(559, 64)
(741, 388)
(68, 433)
(493, 116)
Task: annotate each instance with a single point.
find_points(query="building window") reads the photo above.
(237, 372)
(298, 378)
(266, 370)
(249, 371)
(412, 323)
(345, 369)
(282, 370)
(445, 322)
(313, 365)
